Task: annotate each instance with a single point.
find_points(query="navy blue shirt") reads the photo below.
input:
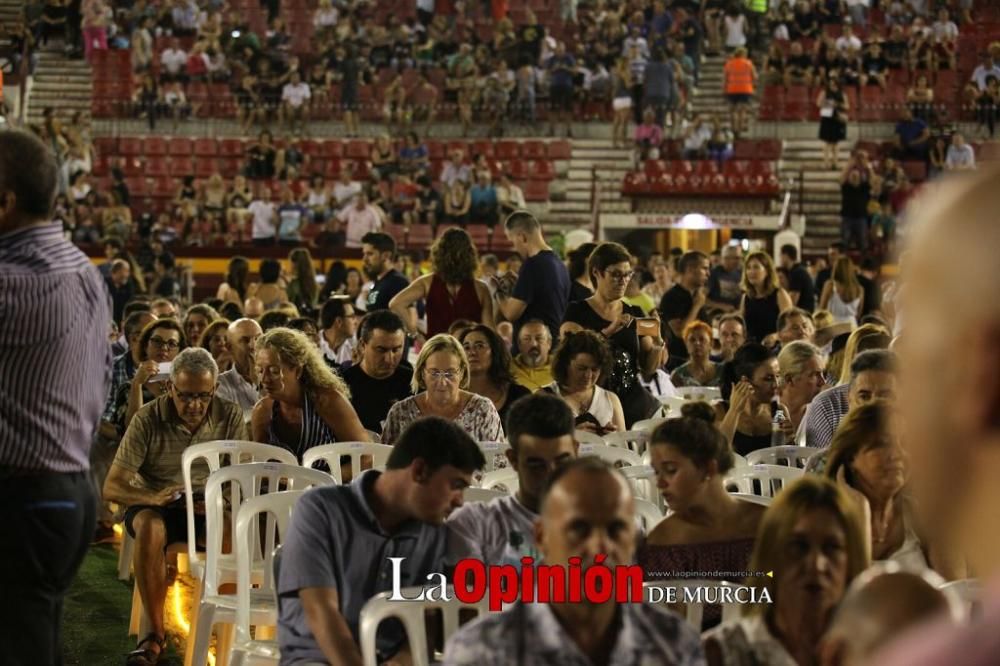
(543, 284)
(561, 71)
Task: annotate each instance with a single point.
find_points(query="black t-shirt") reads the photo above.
(799, 280)
(530, 38)
(577, 292)
(873, 295)
(821, 279)
(372, 398)
(675, 304)
(261, 162)
(801, 63)
(626, 339)
(854, 200)
(384, 289)
(543, 284)
(875, 64)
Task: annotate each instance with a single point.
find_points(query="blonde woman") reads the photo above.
(763, 298)
(621, 103)
(803, 376)
(305, 403)
(440, 382)
(842, 294)
(302, 289)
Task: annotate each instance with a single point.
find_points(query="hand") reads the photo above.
(610, 426)
(741, 399)
(623, 321)
(770, 341)
(146, 370)
(168, 495)
(786, 425)
(589, 426)
(700, 296)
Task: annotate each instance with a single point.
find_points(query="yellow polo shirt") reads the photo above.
(531, 378)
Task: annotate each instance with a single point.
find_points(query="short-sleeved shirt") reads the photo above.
(263, 219)
(799, 280)
(335, 541)
(359, 223)
(543, 284)
(296, 95)
(384, 289)
(373, 398)
(290, 219)
(561, 70)
(156, 439)
(479, 419)
(234, 388)
(532, 379)
(675, 304)
(910, 130)
(500, 531)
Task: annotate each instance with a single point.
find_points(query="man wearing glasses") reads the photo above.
(146, 475)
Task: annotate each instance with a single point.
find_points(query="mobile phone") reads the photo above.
(647, 326)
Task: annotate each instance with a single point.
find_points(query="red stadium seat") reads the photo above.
(435, 150)
(129, 146)
(482, 147)
(560, 150)
(205, 147)
(164, 187)
(230, 166)
(358, 150)
(517, 169)
(507, 150)
(333, 149)
(182, 166)
(533, 150)
(536, 190)
(156, 167)
(181, 146)
(543, 170)
(205, 167)
(232, 148)
(154, 145)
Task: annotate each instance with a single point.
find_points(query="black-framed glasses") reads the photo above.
(165, 344)
(194, 397)
(619, 276)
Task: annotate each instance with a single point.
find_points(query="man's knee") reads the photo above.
(149, 528)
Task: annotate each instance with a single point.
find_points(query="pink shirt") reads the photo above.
(359, 223)
(652, 133)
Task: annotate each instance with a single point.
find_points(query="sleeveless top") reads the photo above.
(600, 405)
(761, 315)
(315, 431)
(443, 308)
(910, 556)
(841, 311)
(744, 444)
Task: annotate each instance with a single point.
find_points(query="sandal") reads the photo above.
(146, 656)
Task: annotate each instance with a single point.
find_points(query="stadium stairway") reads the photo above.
(708, 97)
(10, 10)
(820, 191)
(575, 208)
(60, 82)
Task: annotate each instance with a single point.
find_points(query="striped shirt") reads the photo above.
(315, 431)
(122, 371)
(824, 415)
(55, 360)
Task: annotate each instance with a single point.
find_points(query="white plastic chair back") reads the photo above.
(332, 453)
(964, 595)
(473, 494)
(753, 499)
(649, 425)
(766, 480)
(411, 615)
(693, 612)
(374, 436)
(672, 406)
(233, 452)
(634, 440)
(649, 514)
(501, 480)
(642, 478)
(789, 456)
(739, 461)
(613, 454)
(584, 437)
(495, 454)
(702, 393)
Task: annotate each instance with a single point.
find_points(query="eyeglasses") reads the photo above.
(194, 397)
(478, 346)
(619, 276)
(165, 344)
(437, 375)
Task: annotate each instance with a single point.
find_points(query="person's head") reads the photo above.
(133, 327)
(587, 510)
(289, 364)
(874, 377)
(693, 269)
(756, 364)
(578, 259)
(864, 338)
(436, 459)
(214, 338)
(381, 338)
(523, 231)
(338, 315)
(698, 340)
(866, 447)
(539, 429)
(759, 276)
(534, 341)
(270, 271)
(306, 325)
(835, 251)
(161, 341)
(274, 319)
(732, 334)
(243, 335)
(196, 320)
(812, 538)
(789, 255)
(377, 252)
(732, 257)
(795, 324)
(353, 281)
(803, 373)
(442, 368)
(489, 265)
(28, 180)
(163, 308)
(253, 308)
(113, 246)
(580, 360)
(193, 376)
(487, 354)
(454, 256)
(689, 454)
(610, 268)
(121, 271)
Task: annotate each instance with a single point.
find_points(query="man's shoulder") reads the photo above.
(488, 638)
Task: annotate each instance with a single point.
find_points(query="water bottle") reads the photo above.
(777, 418)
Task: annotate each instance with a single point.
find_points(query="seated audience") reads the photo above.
(196, 320)
(159, 344)
(579, 363)
(960, 156)
(305, 404)
(532, 366)
(380, 379)
(699, 370)
(803, 376)
(842, 294)
(440, 382)
(269, 289)
(795, 324)
(750, 391)
(732, 336)
(338, 328)
(489, 368)
(240, 383)
(215, 340)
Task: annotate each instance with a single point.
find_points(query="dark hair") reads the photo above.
(785, 315)
(167, 260)
(28, 169)
(231, 311)
(606, 255)
(336, 277)
(694, 434)
(578, 260)
(133, 323)
(521, 221)
(300, 323)
(332, 310)
(539, 415)
(874, 360)
(438, 442)
(274, 319)
(138, 304)
(790, 251)
(745, 361)
(380, 241)
(838, 246)
(115, 242)
(733, 316)
(270, 271)
(382, 320)
(689, 260)
(454, 257)
(860, 431)
(590, 464)
(151, 327)
(581, 342)
(499, 370)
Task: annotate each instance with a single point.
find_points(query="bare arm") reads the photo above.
(118, 488)
(260, 420)
(824, 299)
(511, 308)
(784, 300)
(618, 414)
(483, 292)
(340, 416)
(328, 626)
(401, 302)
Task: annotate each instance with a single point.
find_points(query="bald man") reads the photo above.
(253, 308)
(876, 611)
(950, 399)
(587, 510)
(239, 383)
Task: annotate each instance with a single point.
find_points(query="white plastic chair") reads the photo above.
(411, 615)
(702, 393)
(753, 499)
(789, 456)
(649, 514)
(966, 594)
(500, 480)
(494, 452)
(584, 437)
(278, 509)
(634, 440)
(649, 425)
(245, 482)
(374, 436)
(613, 454)
(672, 405)
(739, 461)
(770, 479)
(332, 453)
(694, 611)
(473, 494)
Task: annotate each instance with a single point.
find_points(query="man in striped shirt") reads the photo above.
(55, 364)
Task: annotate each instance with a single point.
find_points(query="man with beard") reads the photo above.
(378, 252)
(380, 379)
(531, 367)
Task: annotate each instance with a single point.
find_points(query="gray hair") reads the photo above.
(795, 355)
(194, 361)
(873, 360)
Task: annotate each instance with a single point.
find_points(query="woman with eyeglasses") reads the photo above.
(440, 381)
(750, 384)
(803, 373)
(578, 364)
(606, 313)
(489, 368)
(305, 403)
(160, 342)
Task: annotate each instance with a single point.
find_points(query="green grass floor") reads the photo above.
(96, 613)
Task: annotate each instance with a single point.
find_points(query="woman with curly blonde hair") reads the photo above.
(451, 291)
(305, 403)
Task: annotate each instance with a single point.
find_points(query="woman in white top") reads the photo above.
(736, 27)
(867, 460)
(581, 360)
(842, 294)
(812, 543)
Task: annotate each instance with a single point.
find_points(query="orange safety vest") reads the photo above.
(739, 76)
